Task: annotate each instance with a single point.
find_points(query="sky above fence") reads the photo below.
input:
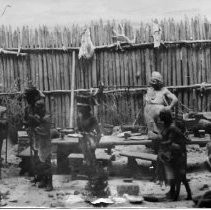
(62, 12)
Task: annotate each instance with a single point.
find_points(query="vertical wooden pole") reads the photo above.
(6, 150)
(72, 90)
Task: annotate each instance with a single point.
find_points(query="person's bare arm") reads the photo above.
(172, 97)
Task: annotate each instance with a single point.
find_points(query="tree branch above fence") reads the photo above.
(9, 52)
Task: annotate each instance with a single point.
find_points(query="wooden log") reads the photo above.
(58, 98)
(72, 90)
(204, 78)
(63, 115)
(117, 65)
(40, 72)
(10, 52)
(66, 86)
(143, 156)
(199, 67)
(165, 70)
(113, 46)
(147, 66)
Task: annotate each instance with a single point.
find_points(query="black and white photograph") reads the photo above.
(105, 104)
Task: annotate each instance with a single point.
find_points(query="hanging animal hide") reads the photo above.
(87, 48)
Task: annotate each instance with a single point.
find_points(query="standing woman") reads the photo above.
(156, 99)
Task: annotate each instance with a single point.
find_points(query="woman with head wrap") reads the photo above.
(155, 100)
(38, 128)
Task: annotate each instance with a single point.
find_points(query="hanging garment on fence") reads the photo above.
(87, 48)
(157, 34)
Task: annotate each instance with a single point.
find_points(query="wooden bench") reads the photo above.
(137, 155)
(72, 146)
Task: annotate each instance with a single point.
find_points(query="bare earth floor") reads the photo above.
(18, 191)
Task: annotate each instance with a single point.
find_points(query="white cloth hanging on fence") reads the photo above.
(87, 48)
(157, 31)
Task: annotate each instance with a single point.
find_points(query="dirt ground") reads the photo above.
(17, 191)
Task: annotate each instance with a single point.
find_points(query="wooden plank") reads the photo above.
(144, 79)
(72, 89)
(66, 87)
(184, 74)
(208, 77)
(135, 68)
(130, 104)
(2, 78)
(45, 72)
(130, 69)
(170, 68)
(178, 70)
(122, 72)
(113, 69)
(126, 68)
(62, 80)
(117, 65)
(191, 79)
(49, 58)
(33, 68)
(12, 73)
(121, 104)
(40, 72)
(8, 74)
(165, 69)
(204, 78)
(48, 77)
(139, 70)
(106, 74)
(174, 75)
(143, 156)
(57, 98)
(4, 62)
(134, 83)
(194, 77)
(110, 69)
(199, 76)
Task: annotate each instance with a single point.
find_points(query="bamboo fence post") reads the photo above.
(72, 90)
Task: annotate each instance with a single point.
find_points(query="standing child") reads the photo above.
(89, 129)
(173, 155)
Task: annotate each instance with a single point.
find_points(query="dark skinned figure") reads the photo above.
(32, 95)
(90, 136)
(38, 128)
(173, 156)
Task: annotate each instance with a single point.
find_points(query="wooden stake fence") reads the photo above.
(184, 59)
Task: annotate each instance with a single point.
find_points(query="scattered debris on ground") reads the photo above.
(17, 191)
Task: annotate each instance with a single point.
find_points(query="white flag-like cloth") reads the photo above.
(87, 48)
(157, 34)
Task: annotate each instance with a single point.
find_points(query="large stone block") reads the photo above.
(130, 189)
